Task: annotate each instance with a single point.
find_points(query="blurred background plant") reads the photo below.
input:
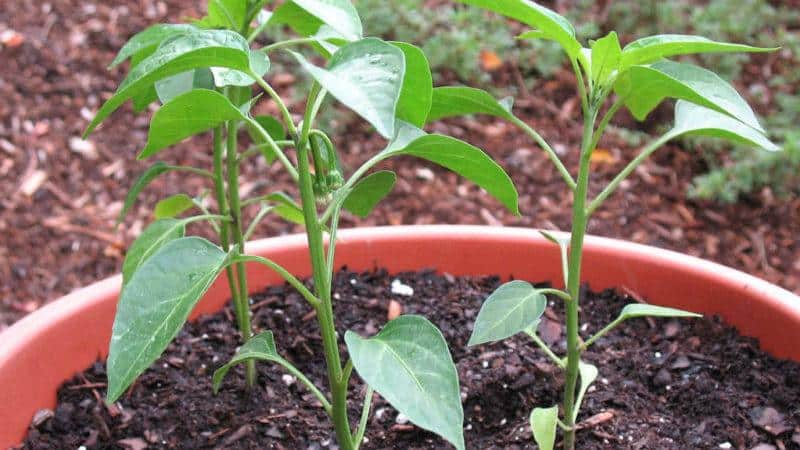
(464, 45)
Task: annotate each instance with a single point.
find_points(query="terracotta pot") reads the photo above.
(49, 346)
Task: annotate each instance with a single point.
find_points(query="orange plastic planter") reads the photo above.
(49, 346)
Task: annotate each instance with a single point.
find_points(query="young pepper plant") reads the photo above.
(204, 75)
(609, 77)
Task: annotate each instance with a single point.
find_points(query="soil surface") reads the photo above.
(61, 195)
(664, 384)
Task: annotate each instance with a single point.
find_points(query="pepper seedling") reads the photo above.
(204, 74)
(639, 77)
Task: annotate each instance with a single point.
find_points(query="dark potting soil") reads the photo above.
(664, 384)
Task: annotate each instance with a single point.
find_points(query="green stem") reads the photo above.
(287, 116)
(614, 184)
(325, 311)
(547, 351)
(311, 387)
(259, 149)
(579, 222)
(557, 292)
(601, 333)
(598, 133)
(243, 318)
(288, 277)
(265, 209)
(549, 150)
(276, 149)
(362, 423)
(287, 43)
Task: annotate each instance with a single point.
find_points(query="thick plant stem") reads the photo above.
(579, 222)
(243, 307)
(338, 382)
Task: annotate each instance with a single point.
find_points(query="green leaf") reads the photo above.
(202, 48)
(417, 92)
(259, 64)
(286, 207)
(171, 87)
(464, 159)
(173, 206)
(461, 101)
(365, 195)
(606, 56)
(511, 309)
(548, 22)
(340, 15)
(653, 48)
(588, 374)
(367, 77)
(152, 238)
(543, 424)
(695, 120)
(228, 14)
(645, 87)
(186, 115)
(146, 178)
(409, 364)
(260, 347)
(149, 39)
(154, 305)
(636, 310)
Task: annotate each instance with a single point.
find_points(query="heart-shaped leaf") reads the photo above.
(695, 120)
(154, 305)
(367, 77)
(543, 423)
(173, 206)
(606, 56)
(417, 92)
(461, 101)
(645, 87)
(547, 21)
(186, 115)
(366, 194)
(409, 364)
(653, 48)
(202, 48)
(464, 159)
(152, 238)
(149, 39)
(511, 309)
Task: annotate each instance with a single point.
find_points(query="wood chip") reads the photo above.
(595, 420)
(395, 309)
(32, 182)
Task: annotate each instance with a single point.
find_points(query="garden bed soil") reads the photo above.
(664, 384)
(61, 196)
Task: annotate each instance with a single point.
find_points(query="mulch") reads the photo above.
(663, 384)
(60, 196)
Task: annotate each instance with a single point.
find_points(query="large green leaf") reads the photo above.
(543, 424)
(149, 39)
(367, 77)
(228, 14)
(173, 206)
(459, 101)
(154, 305)
(152, 238)
(171, 87)
(691, 119)
(653, 48)
(146, 178)
(259, 64)
(340, 15)
(202, 48)
(417, 92)
(365, 195)
(409, 364)
(645, 87)
(186, 115)
(511, 309)
(464, 159)
(606, 56)
(636, 310)
(260, 347)
(548, 22)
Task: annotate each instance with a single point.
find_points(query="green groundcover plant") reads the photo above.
(638, 77)
(204, 75)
